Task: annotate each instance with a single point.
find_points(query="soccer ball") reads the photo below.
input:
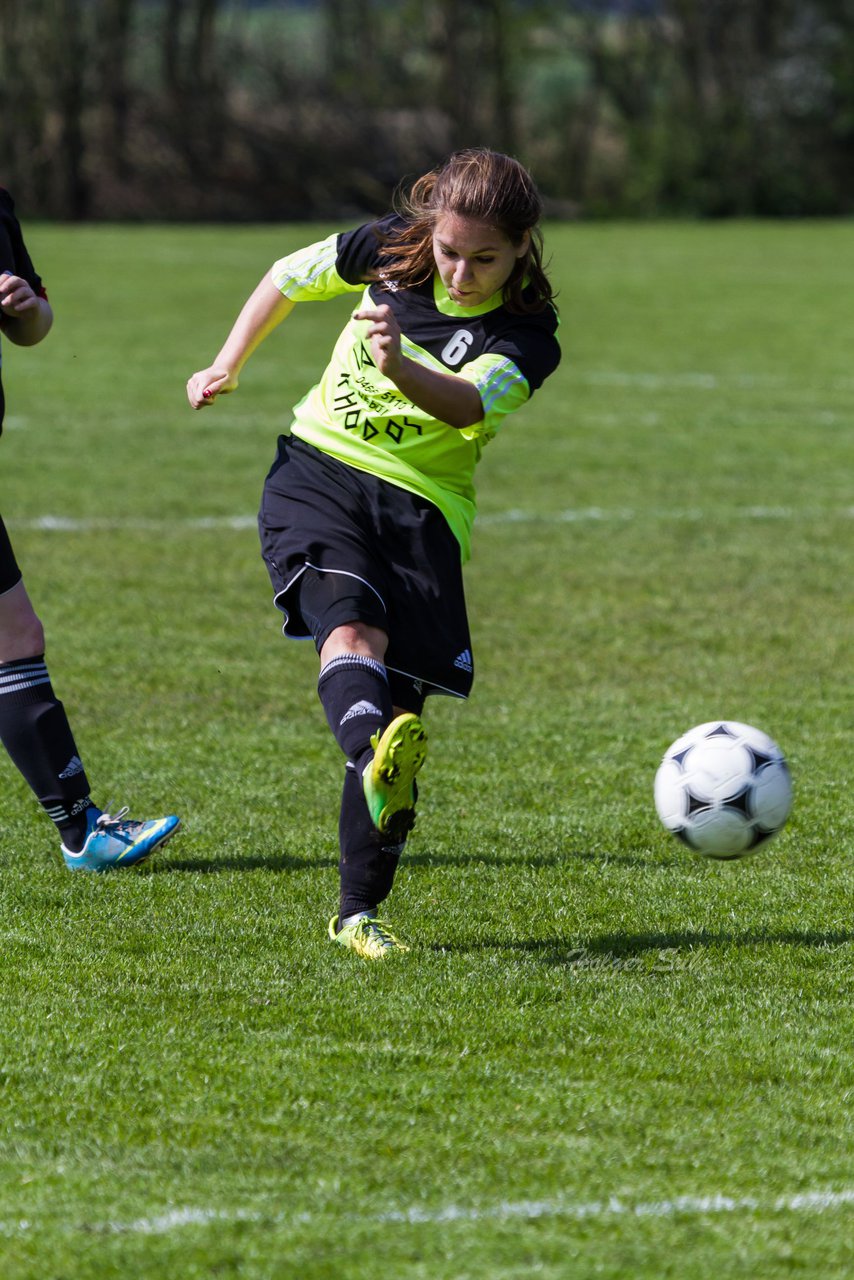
(723, 788)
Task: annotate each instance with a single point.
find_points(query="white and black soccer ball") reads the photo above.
(723, 788)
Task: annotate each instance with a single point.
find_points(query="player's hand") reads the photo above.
(16, 296)
(384, 333)
(204, 387)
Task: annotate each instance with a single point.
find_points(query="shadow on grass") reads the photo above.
(614, 950)
(636, 944)
(523, 858)
(693, 941)
(206, 866)
(213, 864)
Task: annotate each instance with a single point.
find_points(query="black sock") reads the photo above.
(35, 731)
(355, 696)
(368, 861)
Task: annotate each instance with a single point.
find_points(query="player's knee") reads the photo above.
(355, 637)
(21, 634)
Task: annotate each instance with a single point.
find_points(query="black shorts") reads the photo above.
(394, 550)
(10, 574)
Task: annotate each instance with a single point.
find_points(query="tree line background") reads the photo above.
(232, 109)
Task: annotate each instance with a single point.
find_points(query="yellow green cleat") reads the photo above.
(367, 936)
(389, 780)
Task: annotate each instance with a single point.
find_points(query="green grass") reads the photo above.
(603, 1056)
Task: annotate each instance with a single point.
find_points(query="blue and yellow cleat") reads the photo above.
(389, 780)
(118, 841)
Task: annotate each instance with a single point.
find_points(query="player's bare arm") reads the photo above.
(444, 396)
(25, 318)
(263, 311)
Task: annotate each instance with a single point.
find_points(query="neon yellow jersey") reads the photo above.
(360, 417)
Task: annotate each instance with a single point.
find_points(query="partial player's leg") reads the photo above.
(35, 731)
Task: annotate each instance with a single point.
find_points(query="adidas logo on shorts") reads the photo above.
(463, 661)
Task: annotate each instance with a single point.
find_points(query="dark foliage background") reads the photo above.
(222, 109)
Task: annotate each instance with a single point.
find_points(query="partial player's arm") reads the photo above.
(25, 317)
(262, 312)
(446, 397)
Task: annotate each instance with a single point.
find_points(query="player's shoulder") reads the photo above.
(529, 339)
(538, 326)
(543, 318)
(359, 250)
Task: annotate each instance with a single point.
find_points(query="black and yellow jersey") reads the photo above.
(359, 416)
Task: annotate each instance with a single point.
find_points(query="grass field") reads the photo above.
(603, 1056)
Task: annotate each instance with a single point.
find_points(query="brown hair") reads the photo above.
(483, 185)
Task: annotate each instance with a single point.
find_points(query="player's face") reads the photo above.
(473, 259)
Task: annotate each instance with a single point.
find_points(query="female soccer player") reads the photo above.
(34, 728)
(367, 512)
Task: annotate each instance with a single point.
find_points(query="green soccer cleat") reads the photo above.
(389, 780)
(367, 936)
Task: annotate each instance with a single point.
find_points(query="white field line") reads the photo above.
(810, 1201)
(595, 515)
(68, 524)
(514, 516)
(503, 1211)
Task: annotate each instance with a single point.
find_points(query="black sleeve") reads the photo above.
(13, 252)
(531, 343)
(358, 251)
